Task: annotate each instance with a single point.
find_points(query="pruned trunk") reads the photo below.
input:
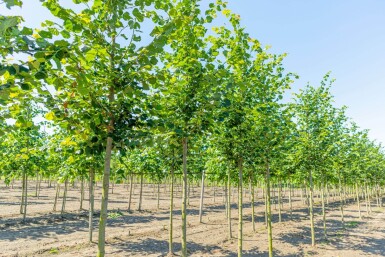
(358, 202)
(81, 193)
(57, 195)
(140, 193)
(63, 205)
(184, 199)
(158, 196)
(229, 203)
(268, 209)
(201, 198)
(91, 205)
(170, 246)
(130, 196)
(252, 201)
(240, 207)
(311, 211)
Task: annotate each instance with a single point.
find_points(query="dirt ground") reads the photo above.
(145, 233)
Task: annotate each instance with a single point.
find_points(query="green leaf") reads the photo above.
(45, 34)
(26, 31)
(50, 116)
(138, 15)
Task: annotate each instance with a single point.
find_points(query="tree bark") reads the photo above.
(184, 199)
(170, 246)
(140, 193)
(91, 205)
(240, 207)
(130, 197)
(358, 202)
(57, 195)
(229, 203)
(252, 201)
(202, 195)
(268, 208)
(311, 211)
(63, 206)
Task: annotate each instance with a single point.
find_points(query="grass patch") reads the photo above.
(352, 224)
(115, 215)
(54, 251)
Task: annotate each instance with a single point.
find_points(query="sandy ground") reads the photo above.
(145, 233)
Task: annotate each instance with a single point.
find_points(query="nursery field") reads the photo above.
(145, 233)
(165, 128)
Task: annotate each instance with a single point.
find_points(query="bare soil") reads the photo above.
(145, 233)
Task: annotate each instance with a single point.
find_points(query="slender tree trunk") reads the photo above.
(104, 204)
(240, 207)
(25, 197)
(158, 196)
(107, 160)
(63, 206)
(202, 195)
(226, 201)
(358, 202)
(279, 201)
(22, 193)
(140, 193)
(170, 246)
(341, 203)
(229, 203)
(81, 193)
(184, 199)
(323, 210)
(39, 187)
(91, 205)
(290, 202)
(130, 197)
(252, 201)
(311, 208)
(37, 183)
(268, 208)
(57, 195)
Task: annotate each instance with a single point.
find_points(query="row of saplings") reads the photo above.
(280, 193)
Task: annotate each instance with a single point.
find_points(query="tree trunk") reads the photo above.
(170, 246)
(290, 202)
(311, 211)
(91, 205)
(268, 208)
(22, 194)
(57, 195)
(358, 202)
(226, 201)
(25, 196)
(341, 203)
(37, 184)
(279, 201)
(184, 199)
(140, 193)
(107, 160)
(240, 207)
(323, 210)
(130, 197)
(81, 193)
(202, 195)
(63, 206)
(252, 201)
(229, 203)
(158, 196)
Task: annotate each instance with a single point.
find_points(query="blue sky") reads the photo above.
(344, 37)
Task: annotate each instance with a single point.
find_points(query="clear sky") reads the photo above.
(346, 37)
